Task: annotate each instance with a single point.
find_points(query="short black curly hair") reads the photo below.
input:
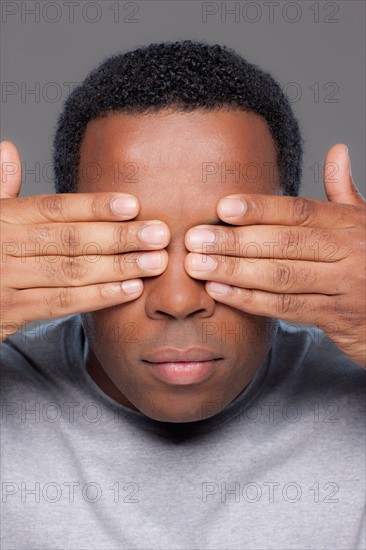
(184, 75)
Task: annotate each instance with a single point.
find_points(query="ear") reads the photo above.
(338, 182)
(10, 171)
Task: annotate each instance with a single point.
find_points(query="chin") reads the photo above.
(179, 410)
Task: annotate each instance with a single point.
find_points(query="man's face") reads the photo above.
(178, 166)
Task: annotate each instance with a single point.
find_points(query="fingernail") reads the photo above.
(232, 207)
(150, 260)
(124, 206)
(153, 233)
(202, 262)
(132, 286)
(197, 237)
(218, 288)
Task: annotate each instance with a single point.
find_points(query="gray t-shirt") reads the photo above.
(281, 467)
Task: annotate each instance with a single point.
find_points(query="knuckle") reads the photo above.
(101, 294)
(302, 210)
(233, 266)
(51, 207)
(120, 233)
(100, 204)
(349, 312)
(118, 264)
(64, 298)
(289, 237)
(125, 263)
(60, 299)
(231, 240)
(288, 304)
(256, 207)
(100, 291)
(248, 296)
(73, 269)
(69, 236)
(282, 276)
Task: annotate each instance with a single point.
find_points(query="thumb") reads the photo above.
(338, 182)
(10, 171)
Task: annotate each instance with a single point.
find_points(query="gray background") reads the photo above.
(315, 50)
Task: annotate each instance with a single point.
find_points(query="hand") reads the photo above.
(70, 253)
(292, 258)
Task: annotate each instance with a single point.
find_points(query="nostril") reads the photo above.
(164, 314)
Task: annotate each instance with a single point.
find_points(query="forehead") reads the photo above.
(179, 164)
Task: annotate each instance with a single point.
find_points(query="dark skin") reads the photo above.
(175, 309)
(175, 303)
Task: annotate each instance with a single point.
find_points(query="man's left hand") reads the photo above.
(292, 258)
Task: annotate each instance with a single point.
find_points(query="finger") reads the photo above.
(269, 241)
(338, 183)
(272, 276)
(46, 303)
(70, 207)
(80, 271)
(10, 171)
(275, 210)
(302, 308)
(83, 238)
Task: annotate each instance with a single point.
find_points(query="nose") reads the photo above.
(174, 293)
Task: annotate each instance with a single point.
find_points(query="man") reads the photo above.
(178, 411)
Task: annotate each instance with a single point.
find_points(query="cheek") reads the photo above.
(115, 331)
(242, 332)
(256, 330)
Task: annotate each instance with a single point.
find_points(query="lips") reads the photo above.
(175, 355)
(182, 366)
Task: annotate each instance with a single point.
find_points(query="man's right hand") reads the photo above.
(70, 253)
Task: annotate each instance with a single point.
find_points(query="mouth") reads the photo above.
(182, 367)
